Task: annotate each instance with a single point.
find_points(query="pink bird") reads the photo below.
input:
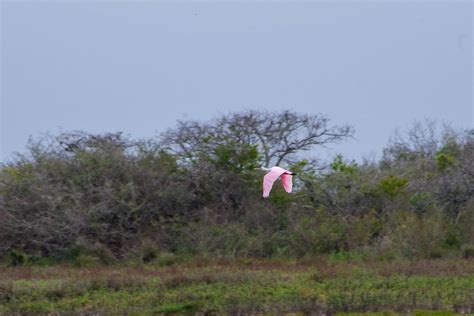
(273, 175)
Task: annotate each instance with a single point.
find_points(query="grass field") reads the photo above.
(246, 286)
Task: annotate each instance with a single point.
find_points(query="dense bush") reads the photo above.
(196, 192)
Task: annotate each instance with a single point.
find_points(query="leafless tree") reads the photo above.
(278, 136)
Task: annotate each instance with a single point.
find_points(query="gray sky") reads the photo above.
(137, 67)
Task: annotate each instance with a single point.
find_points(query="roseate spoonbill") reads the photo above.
(273, 174)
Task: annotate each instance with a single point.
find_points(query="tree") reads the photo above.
(279, 137)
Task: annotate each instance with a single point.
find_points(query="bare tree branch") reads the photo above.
(278, 136)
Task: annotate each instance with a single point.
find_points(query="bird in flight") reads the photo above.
(273, 174)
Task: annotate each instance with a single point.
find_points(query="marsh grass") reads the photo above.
(319, 285)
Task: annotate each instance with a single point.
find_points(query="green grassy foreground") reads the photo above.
(242, 286)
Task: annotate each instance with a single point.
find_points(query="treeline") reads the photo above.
(194, 190)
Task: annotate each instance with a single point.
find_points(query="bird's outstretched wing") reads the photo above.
(287, 181)
(269, 178)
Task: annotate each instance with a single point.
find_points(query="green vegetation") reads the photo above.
(243, 286)
(194, 191)
(93, 202)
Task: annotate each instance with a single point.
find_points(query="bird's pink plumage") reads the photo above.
(272, 176)
(287, 182)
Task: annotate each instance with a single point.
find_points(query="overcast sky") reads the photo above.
(138, 66)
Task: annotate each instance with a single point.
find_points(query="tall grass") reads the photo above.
(242, 286)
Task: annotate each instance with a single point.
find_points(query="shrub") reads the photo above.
(83, 198)
(415, 237)
(17, 258)
(467, 251)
